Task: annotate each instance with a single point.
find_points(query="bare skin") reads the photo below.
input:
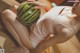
(61, 34)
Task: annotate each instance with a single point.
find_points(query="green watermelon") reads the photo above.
(27, 14)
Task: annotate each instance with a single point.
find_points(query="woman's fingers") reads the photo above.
(38, 7)
(34, 2)
(38, 4)
(30, 0)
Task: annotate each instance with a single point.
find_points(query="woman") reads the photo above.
(52, 22)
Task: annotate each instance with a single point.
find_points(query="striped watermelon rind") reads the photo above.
(27, 14)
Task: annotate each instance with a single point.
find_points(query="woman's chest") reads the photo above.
(66, 22)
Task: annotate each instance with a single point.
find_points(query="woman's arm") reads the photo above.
(18, 30)
(61, 35)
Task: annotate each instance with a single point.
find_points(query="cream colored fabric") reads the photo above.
(45, 25)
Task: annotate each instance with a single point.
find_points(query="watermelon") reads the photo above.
(27, 14)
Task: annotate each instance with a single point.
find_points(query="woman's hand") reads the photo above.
(41, 4)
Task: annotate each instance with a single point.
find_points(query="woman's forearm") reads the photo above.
(60, 37)
(44, 44)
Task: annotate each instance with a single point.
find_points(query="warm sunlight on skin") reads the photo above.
(63, 28)
(58, 2)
